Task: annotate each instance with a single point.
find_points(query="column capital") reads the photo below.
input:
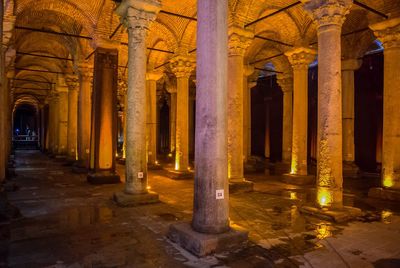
(239, 40)
(351, 64)
(286, 84)
(182, 66)
(122, 87)
(85, 71)
(328, 12)
(72, 82)
(301, 57)
(154, 76)
(388, 32)
(137, 16)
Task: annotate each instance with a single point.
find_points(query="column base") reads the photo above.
(179, 175)
(281, 168)
(121, 161)
(201, 244)
(240, 186)
(350, 170)
(337, 215)
(103, 177)
(298, 179)
(254, 164)
(154, 166)
(131, 200)
(384, 193)
(79, 168)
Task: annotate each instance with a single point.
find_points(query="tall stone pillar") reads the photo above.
(151, 96)
(300, 58)
(103, 136)
(182, 66)
(62, 122)
(55, 101)
(388, 32)
(2, 102)
(286, 84)
(123, 86)
(84, 117)
(348, 67)
(239, 41)
(211, 191)
(172, 121)
(73, 85)
(330, 16)
(248, 70)
(137, 15)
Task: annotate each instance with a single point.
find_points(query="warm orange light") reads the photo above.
(388, 181)
(323, 231)
(324, 197)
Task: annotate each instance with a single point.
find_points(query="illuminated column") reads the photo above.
(286, 84)
(239, 41)
(388, 32)
(182, 66)
(103, 136)
(248, 70)
(137, 15)
(348, 68)
(123, 87)
(62, 121)
(151, 96)
(172, 120)
(330, 16)
(84, 115)
(73, 85)
(300, 58)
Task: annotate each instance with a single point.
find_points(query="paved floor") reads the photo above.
(69, 223)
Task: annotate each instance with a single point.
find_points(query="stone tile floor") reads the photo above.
(69, 223)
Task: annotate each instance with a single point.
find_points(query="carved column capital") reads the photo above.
(351, 64)
(72, 82)
(301, 57)
(137, 15)
(239, 41)
(85, 71)
(182, 66)
(388, 32)
(286, 84)
(328, 12)
(122, 87)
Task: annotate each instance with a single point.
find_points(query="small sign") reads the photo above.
(220, 194)
(140, 175)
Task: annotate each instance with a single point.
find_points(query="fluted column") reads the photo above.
(300, 58)
(182, 66)
(73, 85)
(137, 15)
(151, 96)
(286, 84)
(388, 32)
(239, 41)
(348, 68)
(84, 114)
(330, 16)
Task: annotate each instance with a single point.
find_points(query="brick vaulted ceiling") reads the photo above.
(96, 18)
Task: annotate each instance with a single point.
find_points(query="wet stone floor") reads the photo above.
(68, 223)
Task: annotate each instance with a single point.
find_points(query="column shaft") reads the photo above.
(72, 121)
(211, 192)
(287, 127)
(84, 117)
(152, 121)
(63, 123)
(182, 125)
(172, 120)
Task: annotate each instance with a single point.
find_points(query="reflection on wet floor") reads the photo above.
(76, 224)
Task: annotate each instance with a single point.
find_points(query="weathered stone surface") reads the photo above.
(130, 200)
(202, 244)
(242, 186)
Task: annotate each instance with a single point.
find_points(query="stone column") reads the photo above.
(211, 191)
(73, 85)
(151, 96)
(172, 120)
(286, 84)
(84, 116)
(182, 66)
(348, 67)
(330, 16)
(55, 123)
(239, 41)
(388, 32)
(62, 122)
(2, 102)
(103, 136)
(300, 58)
(248, 70)
(137, 15)
(123, 86)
